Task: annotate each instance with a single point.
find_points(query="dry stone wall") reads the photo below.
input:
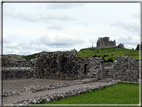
(66, 65)
(9, 73)
(11, 61)
(126, 68)
(108, 68)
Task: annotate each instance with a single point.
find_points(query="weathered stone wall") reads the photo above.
(108, 68)
(11, 61)
(66, 65)
(126, 68)
(9, 73)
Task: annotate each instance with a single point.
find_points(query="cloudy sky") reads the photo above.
(34, 27)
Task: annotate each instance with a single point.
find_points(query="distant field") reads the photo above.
(109, 54)
(120, 93)
(27, 57)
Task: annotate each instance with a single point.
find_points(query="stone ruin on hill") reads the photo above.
(66, 65)
(104, 42)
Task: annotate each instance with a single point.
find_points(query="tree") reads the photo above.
(137, 48)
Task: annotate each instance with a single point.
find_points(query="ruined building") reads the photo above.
(105, 43)
(66, 65)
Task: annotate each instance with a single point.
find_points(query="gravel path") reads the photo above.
(26, 95)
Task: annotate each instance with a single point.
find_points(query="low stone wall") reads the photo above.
(9, 73)
(9, 93)
(53, 97)
(11, 61)
(126, 68)
(34, 89)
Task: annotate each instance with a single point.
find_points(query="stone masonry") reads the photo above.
(11, 61)
(126, 68)
(66, 65)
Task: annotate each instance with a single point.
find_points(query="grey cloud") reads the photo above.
(42, 17)
(55, 27)
(136, 15)
(7, 10)
(37, 17)
(64, 5)
(82, 23)
(93, 41)
(128, 40)
(58, 42)
(131, 27)
(22, 49)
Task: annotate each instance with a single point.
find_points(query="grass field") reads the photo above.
(109, 53)
(121, 93)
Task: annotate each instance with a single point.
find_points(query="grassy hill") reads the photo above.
(29, 57)
(109, 54)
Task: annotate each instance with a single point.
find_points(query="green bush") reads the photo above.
(110, 60)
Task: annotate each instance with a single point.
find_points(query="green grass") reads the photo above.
(109, 53)
(121, 93)
(27, 57)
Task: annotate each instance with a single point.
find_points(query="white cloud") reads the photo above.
(8, 10)
(131, 26)
(60, 40)
(44, 17)
(125, 39)
(12, 45)
(64, 5)
(55, 27)
(5, 38)
(81, 25)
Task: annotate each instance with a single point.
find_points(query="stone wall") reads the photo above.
(11, 61)
(126, 68)
(9, 73)
(56, 96)
(108, 68)
(66, 65)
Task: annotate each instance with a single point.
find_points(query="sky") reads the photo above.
(29, 28)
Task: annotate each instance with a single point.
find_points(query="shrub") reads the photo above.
(110, 60)
(95, 55)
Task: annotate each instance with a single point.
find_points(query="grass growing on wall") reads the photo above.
(109, 54)
(121, 93)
